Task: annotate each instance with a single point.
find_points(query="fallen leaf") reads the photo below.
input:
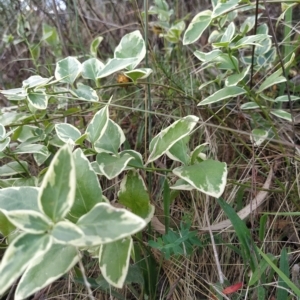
(233, 288)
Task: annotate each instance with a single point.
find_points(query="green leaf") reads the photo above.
(258, 136)
(234, 79)
(260, 270)
(288, 282)
(131, 45)
(136, 162)
(209, 176)
(95, 45)
(110, 165)
(134, 195)
(65, 232)
(50, 35)
(250, 105)
(67, 133)
(195, 29)
(35, 81)
(282, 289)
(270, 81)
(6, 227)
(285, 98)
(57, 192)
(2, 132)
(198, 153)
(29, 221)
(9, 118)
(224, 7)
(227, 92)
(19, 198)
(91, 68)
(114, 261)
(98, 125)
(67, 69)
(179, 151)
(23, 249)
(249, 41)
(137, 74)
(38, 99)
(226, 62)
(161, 143)
(282, 114)
(4, 143)
(182, 185)
(207, 57)
(248, 24)
(85, 92)
(229, 33)
(88, 190)
(106, 224)
(116, 64)
(31, 148)
(111, 140)
(46, 268)
(243, 234)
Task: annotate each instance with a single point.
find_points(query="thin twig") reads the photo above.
(221, 276)
(86, 283)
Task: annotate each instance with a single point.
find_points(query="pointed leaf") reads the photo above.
(111, 140)
(116, 64)
(114, 261)
(281, 114)
(134, 194)
(38, 99)
(31, 148)
(67, 133)
(65, 232)
(161, 143)
(29, 220)
(13, 168)
(4, 143)
(137, 74)
(2, 132)
(207, 57)
(234, 79)
(67, 69)
(224, 7)
(23, 249)
(95, 45)
(179, 151)
(35, 81)
(19, 198)
(250, 105)
(88, 189)
(91, 68)
(57, 193)
(131, 45)
(46, 268)
(136, 162)
(97, 125)
(6, 227)
(195, 29)
(229, 33)
(111, 166)
(258, 136)
(105, 224)
(209, 176)
(270, 81)
(85, 92)
(227, 92)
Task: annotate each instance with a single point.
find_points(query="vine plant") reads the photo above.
(48, 219)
